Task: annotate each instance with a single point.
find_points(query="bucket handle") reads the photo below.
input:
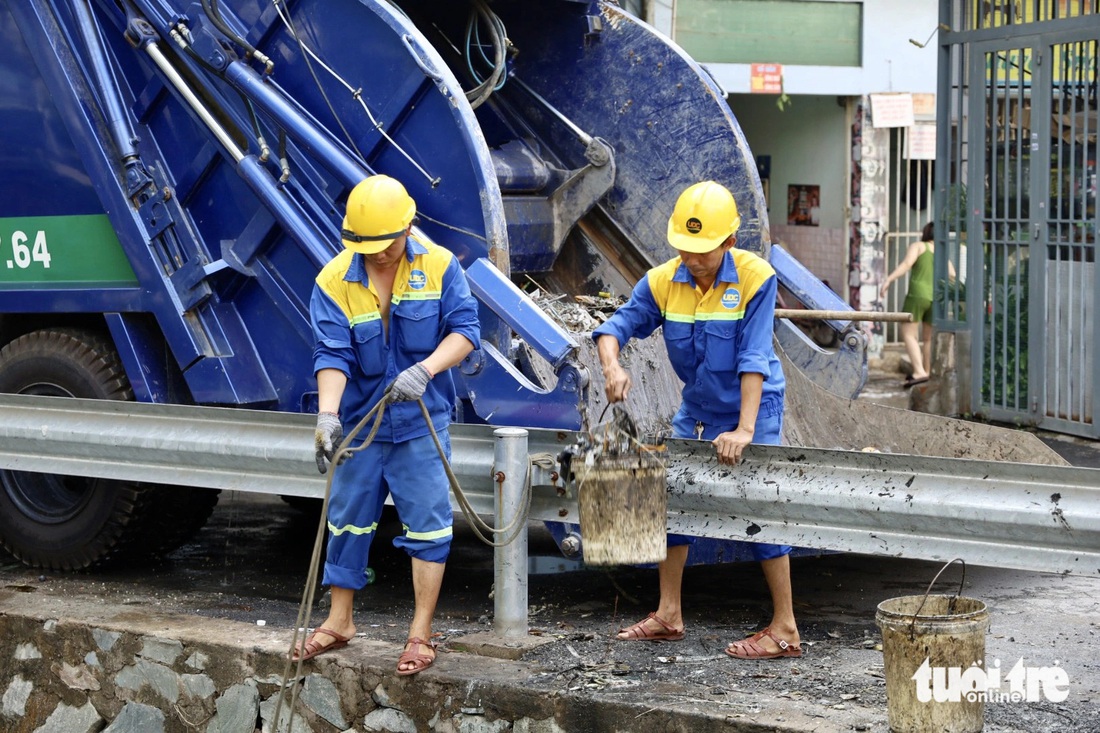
(951, 603)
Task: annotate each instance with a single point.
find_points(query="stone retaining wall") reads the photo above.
(79, 666)
(68, 677)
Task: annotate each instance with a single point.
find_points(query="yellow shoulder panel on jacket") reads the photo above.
(660, 281)
(425, 281)
(331, 280)
(752, 271)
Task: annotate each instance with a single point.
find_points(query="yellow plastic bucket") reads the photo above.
(923, 639)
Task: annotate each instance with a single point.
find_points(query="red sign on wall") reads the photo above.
(766, 79)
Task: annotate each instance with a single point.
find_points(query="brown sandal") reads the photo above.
(750, 649)
(419, 660)
(640, 632)
(310, 648)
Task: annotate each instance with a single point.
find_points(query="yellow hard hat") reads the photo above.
(705, 215)
(379, 211)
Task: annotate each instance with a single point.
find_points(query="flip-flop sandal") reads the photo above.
(640, 632)
(419, 660)
(909, 381)
(750, 649)
(312, 647)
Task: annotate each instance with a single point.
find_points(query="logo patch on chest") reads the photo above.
(417, 280)
(731, 298)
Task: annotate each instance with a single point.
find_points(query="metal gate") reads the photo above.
(1033, 205)
(909, 202)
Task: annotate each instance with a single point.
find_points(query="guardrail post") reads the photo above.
(510, 465)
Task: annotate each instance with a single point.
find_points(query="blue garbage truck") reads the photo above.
(173, 175)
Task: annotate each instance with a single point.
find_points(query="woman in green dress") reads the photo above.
(918, 303)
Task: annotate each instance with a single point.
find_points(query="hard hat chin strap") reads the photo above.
(353, 237)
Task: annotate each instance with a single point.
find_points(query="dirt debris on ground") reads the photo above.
(250, 562)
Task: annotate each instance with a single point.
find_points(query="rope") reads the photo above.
(301, 623)
(543, 460)
(478, 524)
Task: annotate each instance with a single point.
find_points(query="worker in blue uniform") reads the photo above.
(394, 311)
(716, 307)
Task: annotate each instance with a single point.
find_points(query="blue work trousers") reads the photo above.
(769, 431)
(412, 473)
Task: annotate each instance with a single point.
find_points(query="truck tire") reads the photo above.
(175, 514)
(65, 522)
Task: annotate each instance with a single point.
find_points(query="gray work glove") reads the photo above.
(326, 438)
(410, 384)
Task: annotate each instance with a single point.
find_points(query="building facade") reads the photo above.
(848, 185)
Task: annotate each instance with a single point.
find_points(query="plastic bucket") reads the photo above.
(624, 509)
(946, 632)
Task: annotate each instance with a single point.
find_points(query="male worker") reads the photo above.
(395, 310)
(716, 306)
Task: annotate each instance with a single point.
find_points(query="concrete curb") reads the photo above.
(75, 664)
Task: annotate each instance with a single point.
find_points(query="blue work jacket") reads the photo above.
(431, 299)
(712, 338)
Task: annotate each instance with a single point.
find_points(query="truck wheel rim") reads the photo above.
(47, 498)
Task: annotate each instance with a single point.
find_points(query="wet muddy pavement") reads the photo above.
(249, 563)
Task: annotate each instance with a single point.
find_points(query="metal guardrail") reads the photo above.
(1013, 515)
(1023, 516)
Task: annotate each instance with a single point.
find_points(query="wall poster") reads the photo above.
(803, 205)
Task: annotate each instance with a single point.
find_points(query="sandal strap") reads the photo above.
(664, 624)
(639, 630)
(330, 632)
(418, 659)
(749, 647)
(782, 644)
